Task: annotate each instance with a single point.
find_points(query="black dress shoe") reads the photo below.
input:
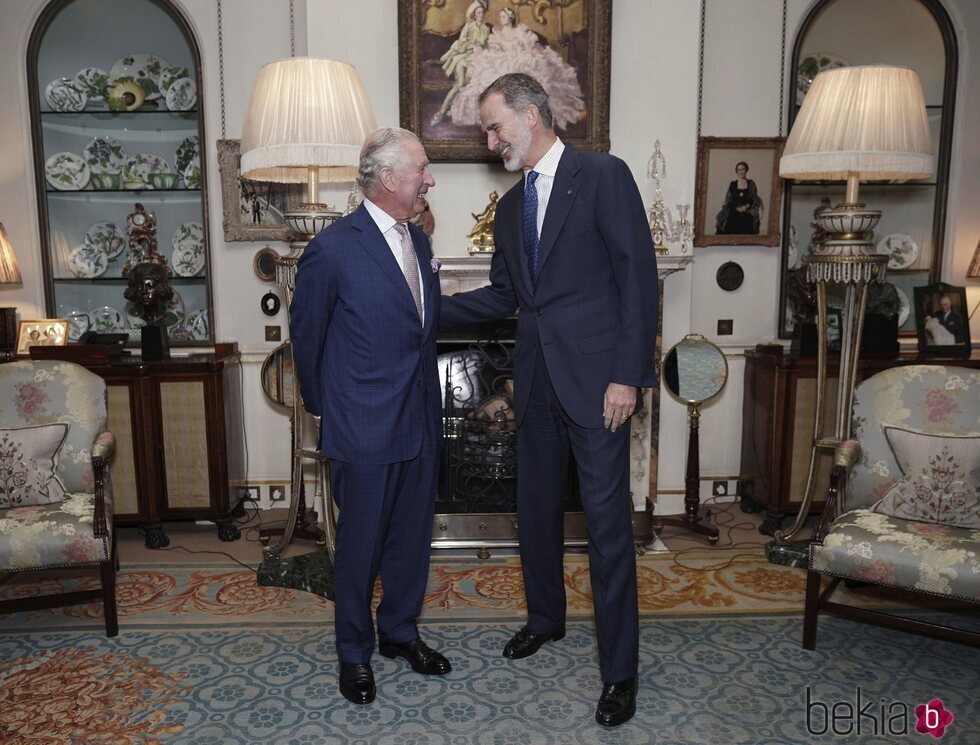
(420, 656)
(524, 643)
(617, 704)
(357, 682)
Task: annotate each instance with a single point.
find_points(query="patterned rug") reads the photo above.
(206, 657)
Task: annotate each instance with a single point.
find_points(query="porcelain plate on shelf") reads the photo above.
(107, 320)
(145, 69)
(107, 237)
(901, 249)
(65, 94)
(197, 324)
(105, 155)
(67, 171)
(188, 151)
(810, 66)
(137, 170)
(87, 261)
(904, 307)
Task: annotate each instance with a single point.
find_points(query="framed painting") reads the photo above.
(253, 210)
(738, 191)
(450, 50)
(942, 323)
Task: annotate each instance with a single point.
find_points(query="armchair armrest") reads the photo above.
(102, 449)
(846, 455)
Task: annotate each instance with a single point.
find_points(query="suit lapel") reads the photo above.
(377, 248)
(563, 192)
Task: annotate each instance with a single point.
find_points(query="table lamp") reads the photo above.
(9, 275)
(306, 122)
(856, 123)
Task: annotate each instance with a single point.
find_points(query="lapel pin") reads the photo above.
(569, 192)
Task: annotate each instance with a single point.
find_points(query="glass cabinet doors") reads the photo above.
(117, 122)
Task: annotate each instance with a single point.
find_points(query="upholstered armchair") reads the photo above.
(903, 508)
(55, 494)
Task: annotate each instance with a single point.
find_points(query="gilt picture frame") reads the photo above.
(252, 210)
(42, 332)
(942, 319)
(444, 56)
(718, 218)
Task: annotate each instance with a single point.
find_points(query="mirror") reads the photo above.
(694, 372)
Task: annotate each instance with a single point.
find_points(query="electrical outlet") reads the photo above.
(248, 494)
(277, 493)
(273, 333)
(726, 327)
(719, 488)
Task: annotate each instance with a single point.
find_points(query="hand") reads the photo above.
(618, 405)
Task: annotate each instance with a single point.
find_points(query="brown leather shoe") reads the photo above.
(617, 704)
(420, 656)
(357, 682)
(524, 643)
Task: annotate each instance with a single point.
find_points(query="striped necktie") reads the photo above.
(530, 224)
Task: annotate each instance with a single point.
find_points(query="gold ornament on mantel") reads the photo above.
(481, 237)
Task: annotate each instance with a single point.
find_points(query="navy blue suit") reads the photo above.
(588, 320)
(367, 367)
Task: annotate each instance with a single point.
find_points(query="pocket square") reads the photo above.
(435, 264)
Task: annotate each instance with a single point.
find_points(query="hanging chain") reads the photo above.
(221, 71)
(292, 30)
(700, 71)
(782, 75)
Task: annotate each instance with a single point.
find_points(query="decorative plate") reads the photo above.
(87, 261)
(190, 232)
(810, 66)
(904, 307)
(133, 316)
(107, 320)
(65, 94)
(145, 69)
(188, 151)
(197, 324)
(67, 171)
(105, 155)
(192, 174)
(168, 76)
(95, 81)
(188, 259)
(179, 333)
(182, 95)
(107, 237)
(78, 323)
(137, 170)
(174, 312)
(901, 249)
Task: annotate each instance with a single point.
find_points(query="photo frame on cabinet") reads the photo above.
(252, 210)
(725, 215)
(942, 319)
(43, 332)
(446, 57)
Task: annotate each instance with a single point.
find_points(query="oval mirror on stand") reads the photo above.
(694, 372)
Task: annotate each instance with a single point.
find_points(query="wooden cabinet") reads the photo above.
(778, 412)
(177, 425)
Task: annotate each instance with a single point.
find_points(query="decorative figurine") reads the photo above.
(481, 237)
(142, 229)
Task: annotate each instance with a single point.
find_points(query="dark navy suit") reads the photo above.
(367, 367)
(588, 320)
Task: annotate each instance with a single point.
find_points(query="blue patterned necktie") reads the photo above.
(530, 223)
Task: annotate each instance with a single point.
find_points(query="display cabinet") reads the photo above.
(919, 35)
(116, 122)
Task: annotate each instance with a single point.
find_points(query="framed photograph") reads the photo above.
(738, 191)
(835, 329)
(44, 332)
(941, 318)
(449, 51)
(253, 210)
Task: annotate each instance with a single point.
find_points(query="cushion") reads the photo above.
(28, 456)
(940, 478)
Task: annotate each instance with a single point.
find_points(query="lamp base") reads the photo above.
(311, 218)
(8, 329)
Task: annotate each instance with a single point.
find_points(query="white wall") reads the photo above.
(653, 96)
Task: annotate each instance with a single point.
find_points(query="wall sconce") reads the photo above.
(663, 227)
(9, 275)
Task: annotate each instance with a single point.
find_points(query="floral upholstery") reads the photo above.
(927, 398)
(42, 392)
(880, 549)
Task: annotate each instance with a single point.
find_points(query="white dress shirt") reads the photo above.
(386, 224)
(546, 168)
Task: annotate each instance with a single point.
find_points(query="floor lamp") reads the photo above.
(9, 275)
(856, 123)
(306, 122)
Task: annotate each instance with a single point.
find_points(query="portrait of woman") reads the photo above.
(513, 47)
(455, 62)
(741, 210)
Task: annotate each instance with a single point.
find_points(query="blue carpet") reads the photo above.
(726, 680)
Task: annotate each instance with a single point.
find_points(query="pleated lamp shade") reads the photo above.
(868, 121)
(9, 271)
(305, 112)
